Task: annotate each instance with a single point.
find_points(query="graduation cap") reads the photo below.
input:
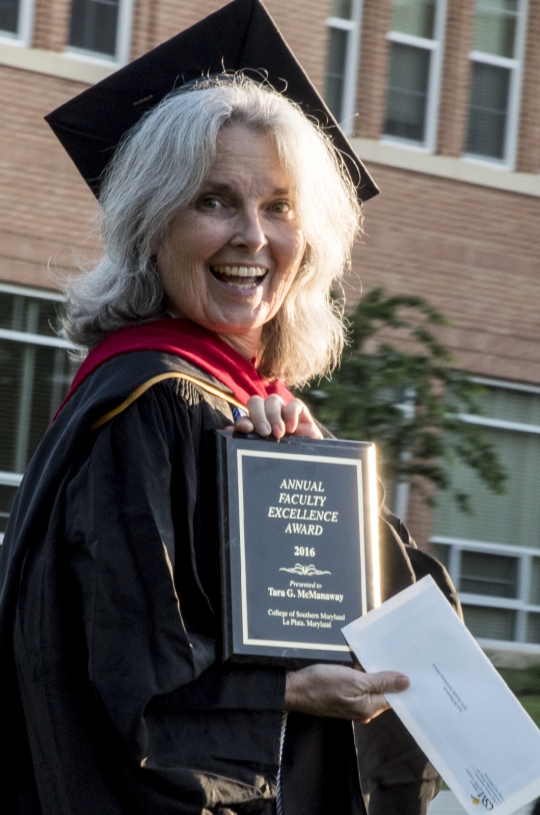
(241, 36)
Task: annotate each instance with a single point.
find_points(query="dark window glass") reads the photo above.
(490, 623)
(33, 381)
(534, 587)
(488, 110)
(495, 575)
(94, 25)
(29, 314)
(533, 628)
(33, 378)
(9, 16)
(407, 92)
(335, 71)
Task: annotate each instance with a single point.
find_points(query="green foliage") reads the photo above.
(396, 387)
(522, 681)
(525, 683)
(532, 706)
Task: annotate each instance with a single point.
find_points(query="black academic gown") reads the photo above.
(114, 697)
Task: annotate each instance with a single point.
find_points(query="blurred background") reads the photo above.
(441, 98)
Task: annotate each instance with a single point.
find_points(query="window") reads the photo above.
(16, 21)
(494, 95)
(100, 28)
(342, 64)
(35, 372)
(493, 554)
(414, 72)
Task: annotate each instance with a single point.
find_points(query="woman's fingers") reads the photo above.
(298, 420)
(340, 692)
(272, 416)
(265, 415)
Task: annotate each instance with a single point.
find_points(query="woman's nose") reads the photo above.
(249, 231)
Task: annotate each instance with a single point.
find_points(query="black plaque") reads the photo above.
(299, 546)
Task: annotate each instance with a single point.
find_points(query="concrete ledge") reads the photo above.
(517, 655)
(66, 66)
(456, 169)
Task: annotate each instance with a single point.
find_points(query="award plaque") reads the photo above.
(299, 545)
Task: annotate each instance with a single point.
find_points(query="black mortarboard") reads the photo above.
(241, 36)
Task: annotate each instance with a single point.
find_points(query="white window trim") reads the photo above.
(23, 37)
(501, 424)
(27, 291)
(506, 384)
(515, 66)
(350, 81)
(25, 336)
(123, 41)
(436, 46)
(34, 339)
(10, 479)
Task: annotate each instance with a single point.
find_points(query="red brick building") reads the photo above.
(442, 100)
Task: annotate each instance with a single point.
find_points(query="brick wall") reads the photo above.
(373, 68)
(46, 210)
(51, 24)
(455, 78)
(528, 159)
(474, 251)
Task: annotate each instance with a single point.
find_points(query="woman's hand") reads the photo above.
(341, 692)
(271, 416)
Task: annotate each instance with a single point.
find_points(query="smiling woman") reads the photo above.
(234, 139)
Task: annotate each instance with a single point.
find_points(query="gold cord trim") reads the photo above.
(205, 386)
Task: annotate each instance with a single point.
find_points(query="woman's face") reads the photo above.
(228, 261)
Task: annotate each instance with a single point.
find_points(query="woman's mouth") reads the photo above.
(240, 277)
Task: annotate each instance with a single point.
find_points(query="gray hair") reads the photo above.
(159, 169)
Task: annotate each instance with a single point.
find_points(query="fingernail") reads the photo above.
(278, 430)
(402, 682)
(263, 429)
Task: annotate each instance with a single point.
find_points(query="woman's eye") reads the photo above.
(209, 202)
(281, 207)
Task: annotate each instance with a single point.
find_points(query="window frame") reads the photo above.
(7, 477)
(515, 66)
(436, 47)
(524, 554)
(123, 40)
(23, 37)
(352, 60)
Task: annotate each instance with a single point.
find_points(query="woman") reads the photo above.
(221, 246)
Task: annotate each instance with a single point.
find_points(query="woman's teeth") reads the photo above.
(241, 277)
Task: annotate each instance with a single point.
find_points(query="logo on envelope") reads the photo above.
(483, 799)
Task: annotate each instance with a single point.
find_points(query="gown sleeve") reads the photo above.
(142, 537)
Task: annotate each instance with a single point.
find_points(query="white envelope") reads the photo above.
(458, 709)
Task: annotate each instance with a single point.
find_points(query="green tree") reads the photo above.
(396, 386)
